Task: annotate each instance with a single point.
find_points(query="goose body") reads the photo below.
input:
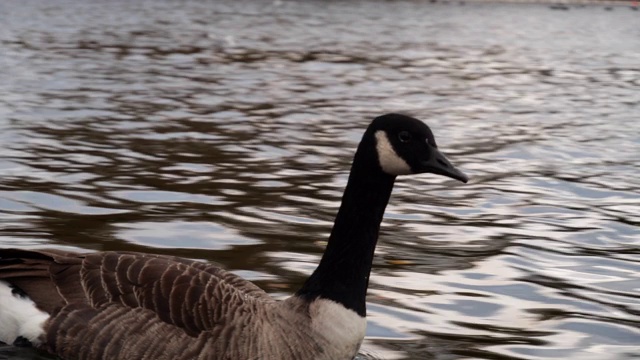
(133, 306)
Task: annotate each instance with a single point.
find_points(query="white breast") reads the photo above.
(343, 329)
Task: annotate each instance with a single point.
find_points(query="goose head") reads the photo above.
(404, 145)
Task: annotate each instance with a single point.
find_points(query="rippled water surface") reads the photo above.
(224, 131)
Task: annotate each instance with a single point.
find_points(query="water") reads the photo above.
(224, 131)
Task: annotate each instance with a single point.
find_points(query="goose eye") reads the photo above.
(404, 136)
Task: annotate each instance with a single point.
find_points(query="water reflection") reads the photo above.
(224, 132)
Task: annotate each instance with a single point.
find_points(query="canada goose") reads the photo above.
(121, 305)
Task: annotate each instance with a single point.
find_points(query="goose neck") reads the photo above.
(343, 272)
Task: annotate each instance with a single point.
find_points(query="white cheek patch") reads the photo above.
(390, 161)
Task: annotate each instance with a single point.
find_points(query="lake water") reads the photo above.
(224, 131)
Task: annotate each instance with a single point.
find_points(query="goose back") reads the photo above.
(113, 305)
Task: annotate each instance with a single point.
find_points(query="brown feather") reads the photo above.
(113, 305)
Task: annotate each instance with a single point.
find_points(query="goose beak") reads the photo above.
(439, 164)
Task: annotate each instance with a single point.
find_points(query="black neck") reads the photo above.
(343, 272)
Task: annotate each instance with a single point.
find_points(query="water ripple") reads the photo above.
(224, 132)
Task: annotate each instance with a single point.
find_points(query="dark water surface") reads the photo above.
(224, 131)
